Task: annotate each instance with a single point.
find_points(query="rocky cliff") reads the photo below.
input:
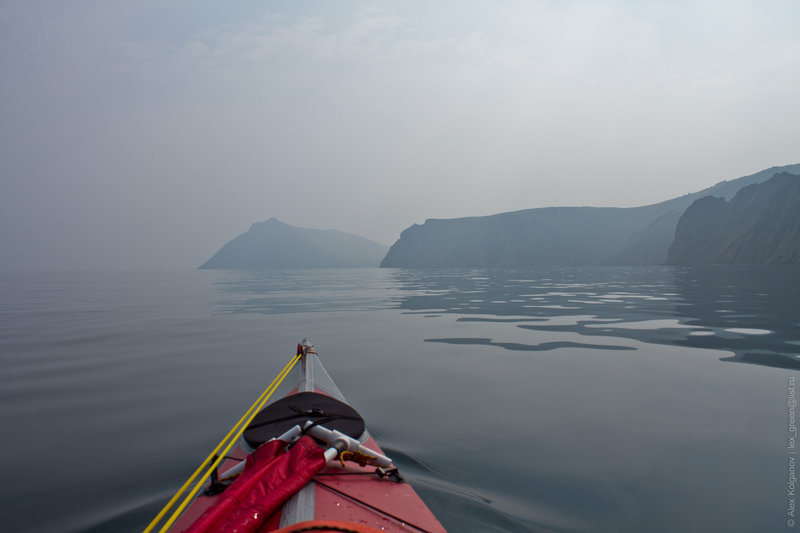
(556, 235)
(761, 224)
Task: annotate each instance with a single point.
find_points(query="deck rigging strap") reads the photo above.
(216, 458)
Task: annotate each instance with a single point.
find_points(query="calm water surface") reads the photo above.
(565, 400)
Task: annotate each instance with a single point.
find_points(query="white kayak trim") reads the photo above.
(300, 507)
(314, 377)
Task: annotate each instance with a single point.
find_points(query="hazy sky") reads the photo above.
(145, 134)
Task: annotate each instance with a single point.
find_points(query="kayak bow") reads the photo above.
(304, 463)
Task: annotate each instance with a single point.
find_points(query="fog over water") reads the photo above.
(146, 135)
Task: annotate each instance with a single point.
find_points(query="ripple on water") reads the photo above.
(645, 324)
(748, 331)
(554, 306)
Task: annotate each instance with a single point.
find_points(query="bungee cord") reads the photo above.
(216, 458)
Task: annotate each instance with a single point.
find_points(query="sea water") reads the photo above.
(551, 399)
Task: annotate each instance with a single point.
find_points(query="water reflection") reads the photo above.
(541, 347)
(751, 312)
(274, 292)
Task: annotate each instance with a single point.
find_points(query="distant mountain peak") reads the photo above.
(272, 221)
(275, 244)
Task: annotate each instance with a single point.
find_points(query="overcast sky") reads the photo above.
(146, 134)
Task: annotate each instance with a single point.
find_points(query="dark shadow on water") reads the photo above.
(766, 359)
(500, 320)
(545, 346)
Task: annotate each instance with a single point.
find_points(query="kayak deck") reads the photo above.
(361, 496)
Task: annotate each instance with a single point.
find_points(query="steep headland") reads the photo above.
(557, 235)
(273, 244)
(761, 224)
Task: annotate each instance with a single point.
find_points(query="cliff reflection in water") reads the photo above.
(751, 311)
